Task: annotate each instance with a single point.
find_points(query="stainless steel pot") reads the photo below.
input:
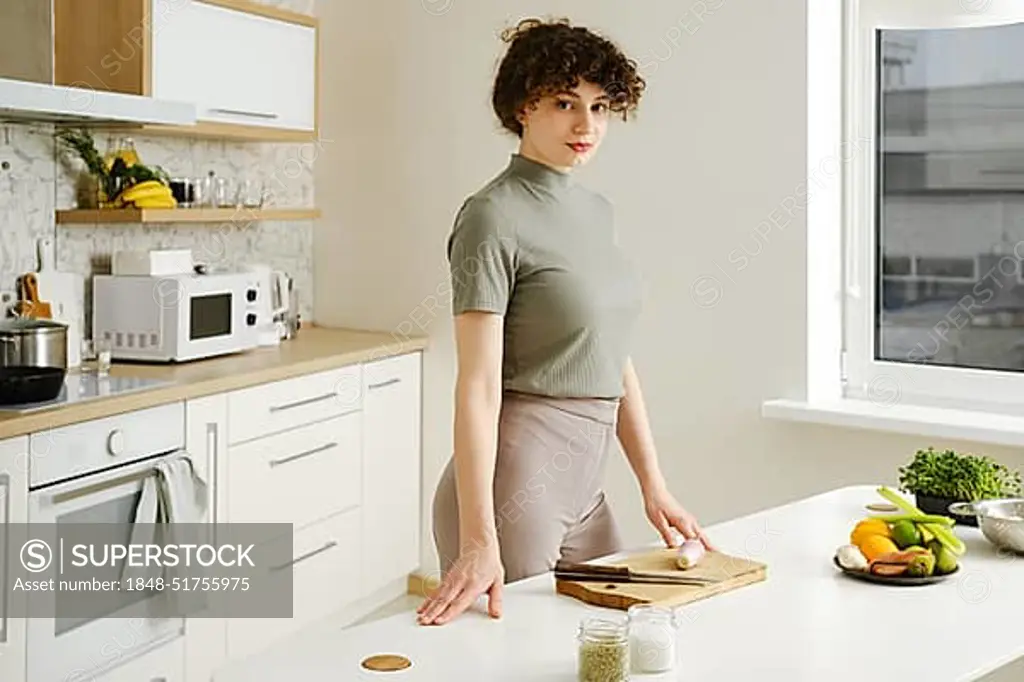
(26, 342)
(1001, 520)
(33, 360)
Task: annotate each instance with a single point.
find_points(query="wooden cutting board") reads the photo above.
(731, 572)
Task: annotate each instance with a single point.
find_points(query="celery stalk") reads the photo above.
(941, 533)
(916, 518)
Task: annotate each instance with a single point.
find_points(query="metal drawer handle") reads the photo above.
(304, 401)
(382, 384)
(305, 453)
(307, 555)
(242, 112)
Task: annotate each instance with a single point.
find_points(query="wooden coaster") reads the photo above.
(882, 507)
(386, 663)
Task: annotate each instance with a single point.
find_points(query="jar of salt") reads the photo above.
(652, 638)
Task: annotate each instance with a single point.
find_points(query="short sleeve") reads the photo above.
(482, 258)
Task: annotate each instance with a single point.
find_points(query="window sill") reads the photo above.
(937, 422)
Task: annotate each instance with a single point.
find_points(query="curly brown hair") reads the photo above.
(546, 57)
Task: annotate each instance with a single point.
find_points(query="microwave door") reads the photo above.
(119, 625)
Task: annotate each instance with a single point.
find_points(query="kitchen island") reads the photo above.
(805, 622)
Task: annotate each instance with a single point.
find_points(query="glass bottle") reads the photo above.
(603, 654)
(127, 152)
(652, 638)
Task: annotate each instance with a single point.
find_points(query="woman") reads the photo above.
(544, 303)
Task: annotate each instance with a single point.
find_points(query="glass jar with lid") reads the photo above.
(653, 634)
(603, 654)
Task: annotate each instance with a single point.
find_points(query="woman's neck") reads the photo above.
(528, 151)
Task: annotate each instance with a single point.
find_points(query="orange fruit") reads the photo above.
(869, 527)
(874, 546)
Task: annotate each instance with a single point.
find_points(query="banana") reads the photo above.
(152, 196)
(146, 189)
(148, 184)
(155, 202)
(146, 194)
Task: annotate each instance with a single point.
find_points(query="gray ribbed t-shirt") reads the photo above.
(540, 249)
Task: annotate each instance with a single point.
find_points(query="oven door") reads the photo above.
(212, 318)
(63, 646)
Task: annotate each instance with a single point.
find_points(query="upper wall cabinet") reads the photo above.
(250, 69)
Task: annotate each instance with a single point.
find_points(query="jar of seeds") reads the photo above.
(603, 654)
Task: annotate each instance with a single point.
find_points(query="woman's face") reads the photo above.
(564, 130)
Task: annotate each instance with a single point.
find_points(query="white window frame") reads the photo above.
(841, 230)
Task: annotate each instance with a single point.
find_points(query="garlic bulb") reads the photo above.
(851, 558)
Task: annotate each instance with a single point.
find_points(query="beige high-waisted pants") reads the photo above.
(548, 498)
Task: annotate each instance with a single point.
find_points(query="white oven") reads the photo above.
(93, 473)
(175, 318)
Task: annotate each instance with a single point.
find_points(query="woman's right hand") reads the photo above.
(475, 572)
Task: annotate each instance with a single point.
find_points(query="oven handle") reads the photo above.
(85, 491)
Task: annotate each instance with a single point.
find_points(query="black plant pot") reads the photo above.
(930, 504)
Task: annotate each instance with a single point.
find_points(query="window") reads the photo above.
(934, 218)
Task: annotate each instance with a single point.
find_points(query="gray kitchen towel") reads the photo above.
(172, 495)
(183, 505)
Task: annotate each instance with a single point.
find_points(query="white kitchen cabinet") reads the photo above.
(206, 441)
(13, 509)
(324, 580)
(391, 469)
(309, 472)
(237, 66)
(249, 67)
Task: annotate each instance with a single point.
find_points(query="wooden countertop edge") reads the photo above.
(15, 425)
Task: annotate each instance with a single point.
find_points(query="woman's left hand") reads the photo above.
(665, 513)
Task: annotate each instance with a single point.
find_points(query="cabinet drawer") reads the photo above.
(325, 579)
(309, 472)
(107, 442)
(164, 664)
(281, 405)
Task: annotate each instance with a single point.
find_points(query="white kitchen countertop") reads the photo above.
(805, 622)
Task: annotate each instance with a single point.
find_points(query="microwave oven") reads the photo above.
(176, 318)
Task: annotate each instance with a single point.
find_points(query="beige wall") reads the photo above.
(718, 148)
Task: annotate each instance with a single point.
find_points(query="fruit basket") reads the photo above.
(908, 547)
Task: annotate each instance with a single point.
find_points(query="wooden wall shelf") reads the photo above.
(182, 215)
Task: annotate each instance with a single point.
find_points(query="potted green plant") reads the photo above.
(938, 479)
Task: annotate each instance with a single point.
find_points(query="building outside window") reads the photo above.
(933, 289)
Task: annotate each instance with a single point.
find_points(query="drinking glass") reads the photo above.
(202, 192)
(224, 194)
(104, 356)
(251, 193)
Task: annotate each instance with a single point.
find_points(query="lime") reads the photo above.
(905, 534)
